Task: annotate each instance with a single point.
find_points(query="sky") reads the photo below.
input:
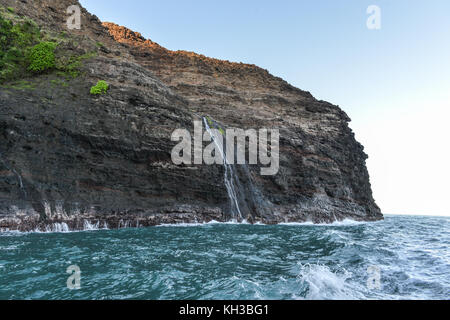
(393, 82)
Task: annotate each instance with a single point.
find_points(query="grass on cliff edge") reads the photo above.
(26, 50)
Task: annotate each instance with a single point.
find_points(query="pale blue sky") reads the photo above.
(394, 83)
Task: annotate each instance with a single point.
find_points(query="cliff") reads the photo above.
(67, 156)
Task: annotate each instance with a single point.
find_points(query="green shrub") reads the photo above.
(11, 9)
(20, 35)
(69, 66)
(15, 43)
(24, 52)
(42, 57)
(100, 88)
(26, 34)
(6, 35)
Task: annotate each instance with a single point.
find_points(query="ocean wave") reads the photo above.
(342, 223)
(201, 224)
(345, 222)
(62, 227)
(322, 283)
(58, 227)
(236, 262)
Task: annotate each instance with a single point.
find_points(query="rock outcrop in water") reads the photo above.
(69, 157)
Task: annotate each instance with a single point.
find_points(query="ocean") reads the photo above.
(402, 257)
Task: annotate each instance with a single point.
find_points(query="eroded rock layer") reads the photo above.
(69, 157)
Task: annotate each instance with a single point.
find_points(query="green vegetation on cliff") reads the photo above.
(26, 50)
(100, 88)
(42, 57)
(16, 41)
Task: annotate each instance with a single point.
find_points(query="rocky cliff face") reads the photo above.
(69, 157)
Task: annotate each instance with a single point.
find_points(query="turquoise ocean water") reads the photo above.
(403, 257)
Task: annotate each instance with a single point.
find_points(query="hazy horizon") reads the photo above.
(393, 82)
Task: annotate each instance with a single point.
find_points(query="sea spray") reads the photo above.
(57, 227)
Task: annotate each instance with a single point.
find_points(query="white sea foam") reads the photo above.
(88, 226)
(59, 227)
(192, 224)
(200, 224)
(91, 226)
(345, 222)
(323, 283)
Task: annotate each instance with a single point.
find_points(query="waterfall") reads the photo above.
(19, 177)
(230, 174)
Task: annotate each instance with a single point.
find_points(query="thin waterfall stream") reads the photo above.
(230, 174)
(18, 176)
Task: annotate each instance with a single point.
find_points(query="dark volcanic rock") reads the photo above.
(67, 156)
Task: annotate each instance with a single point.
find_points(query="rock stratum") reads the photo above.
(68, 157)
